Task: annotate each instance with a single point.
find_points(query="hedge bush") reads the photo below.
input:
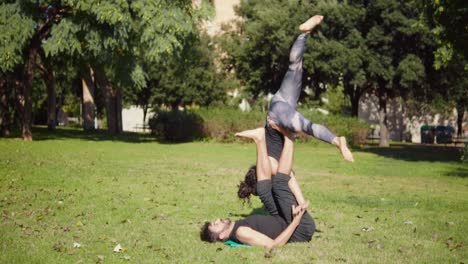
(220, 124)
(176, 126)
(353, 129)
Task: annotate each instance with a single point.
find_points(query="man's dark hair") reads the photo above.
(249, 185)
(206, 234)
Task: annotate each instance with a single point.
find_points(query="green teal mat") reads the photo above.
(234, 244)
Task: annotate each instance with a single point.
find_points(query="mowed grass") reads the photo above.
(405, 204)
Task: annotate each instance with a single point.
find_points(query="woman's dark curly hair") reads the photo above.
(248, 186)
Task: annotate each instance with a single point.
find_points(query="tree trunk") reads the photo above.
(109, 100)
(384, 136)
(24, 97)
(109, 103)
(49, 79)
(88, 100)
(51, 100)
(13, 86)
(355, 95)
(145, 112)
(460, 113)
(4, 109)
(317, 89)
(175, 105)
(118, 110)
(354, 107)
(355, 92)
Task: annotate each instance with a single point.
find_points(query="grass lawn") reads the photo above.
(404, 204)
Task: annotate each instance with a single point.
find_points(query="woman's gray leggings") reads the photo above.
(283, 104)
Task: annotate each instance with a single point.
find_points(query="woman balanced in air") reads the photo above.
(282, 112)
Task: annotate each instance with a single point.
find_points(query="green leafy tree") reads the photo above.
(259, 49)
(106, 35)
(122, 33)
(377, 46)
(336, 52)
(339, 50)
(450, 87)
(7, 103)
(448, 20)
(190, 78)
(395, 41)
(20, 43)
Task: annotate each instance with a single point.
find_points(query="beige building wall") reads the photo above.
(224, 13)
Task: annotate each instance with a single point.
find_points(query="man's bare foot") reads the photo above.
(280, 129)
(273, 124)
(257, 134)
(347, 155)
(310, 24)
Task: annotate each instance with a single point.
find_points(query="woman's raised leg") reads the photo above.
(291, 85)
(294, 121)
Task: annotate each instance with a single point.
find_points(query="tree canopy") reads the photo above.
(375, 46)
(116, 39)
(448, 20)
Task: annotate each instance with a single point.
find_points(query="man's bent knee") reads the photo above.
(280, 182)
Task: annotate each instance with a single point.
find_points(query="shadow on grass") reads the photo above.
(416, 152)
(41, 133)
(419, 152)
(255, 211)
(461, 171)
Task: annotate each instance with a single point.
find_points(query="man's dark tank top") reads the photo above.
(274, 142)
(268, 225)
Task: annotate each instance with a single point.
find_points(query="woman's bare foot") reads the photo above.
(347, 155)
(257, 134)
(310, 24)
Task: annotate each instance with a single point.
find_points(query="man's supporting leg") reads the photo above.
(293, 185)
(284, 200)
(284, 197)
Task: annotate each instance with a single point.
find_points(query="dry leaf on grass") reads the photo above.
(126, 221)
(119, 248)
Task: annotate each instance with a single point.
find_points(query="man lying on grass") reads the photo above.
(287, 222)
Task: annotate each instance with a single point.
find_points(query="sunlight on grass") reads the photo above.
(390, 206)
